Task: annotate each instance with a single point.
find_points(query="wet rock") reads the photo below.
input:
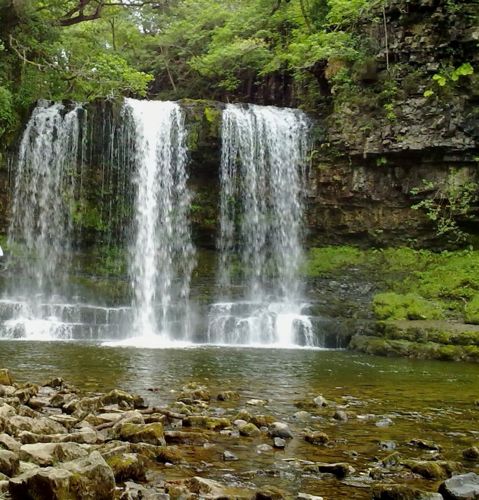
(9, 463)
(269, 493)
(257, 402)
(169, 454)
(424, 444)
(127, 466)
(433, 469)
(339, 469)
(49, 453)
(181, 437)
(117, 396)
(9, 443)
(384, 422)
(249, 430)
(194, 392)
(279, 443)
(340, 415)
(84, 479)
(461, 487)
(320, 401)
(228, 396)
(402, 492)
(147, 433)
(202, 486)
(281, 430)
(316, 437)
(306, 496)
(392, 460)
(244, 415)
(5, 377)
(212, 423)
(388, 445)
(264, 448)
(55, 383)
(262, 420)
(471, 453)
(302, 416)
(228, 456)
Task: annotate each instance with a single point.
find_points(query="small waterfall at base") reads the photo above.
(162, 254)
(263, 164)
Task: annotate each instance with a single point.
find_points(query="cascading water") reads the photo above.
(162, 254)
(262, 169)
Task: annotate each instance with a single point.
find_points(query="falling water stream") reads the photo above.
(263, 163)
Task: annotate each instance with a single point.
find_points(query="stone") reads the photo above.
(7, 411)
(55, 382)
(339, 469)
(461, 487)
(127, 466)
(9, 443)
(433, 469)
(306, 496)
(269, 493)
(302, 416)
(316, 437)
(340, 415)
(262, 420)
(181, 437)
(44, 454)
(48, 483)
(201, 486)
(212, 423)
(402, 492)
(264, 448)
(147, 433)
(392, 460)
(169, 454)
(249, 430)
(424, 444)
(256, 402)
(5, 377)
(279, 443)
(228, 396)
(388, 445)
(9, 463)
(281, 430)
(228, 456)
(116, 396)
(471, 453)
(384, 422)
(320, 401)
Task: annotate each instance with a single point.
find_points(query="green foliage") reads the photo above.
(7, 116)
(393, 306)
(327, 259)
(446, 205)
(449, 77)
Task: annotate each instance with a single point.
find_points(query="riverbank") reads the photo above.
(343, 431)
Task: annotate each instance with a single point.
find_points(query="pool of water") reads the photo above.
(427, 400)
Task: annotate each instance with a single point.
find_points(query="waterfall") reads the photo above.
(162, 254)
(263, 163)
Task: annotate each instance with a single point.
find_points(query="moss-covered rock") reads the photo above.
(395, 306)
(211, 423)
(147, 433)
(127, 466)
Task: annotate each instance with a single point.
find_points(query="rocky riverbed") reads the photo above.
(58, 442)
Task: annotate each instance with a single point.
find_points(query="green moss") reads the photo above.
(326, 259)
(395, 306)
(471, 311)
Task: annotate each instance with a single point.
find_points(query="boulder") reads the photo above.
(44, 454)
(471, 453)
(320, 401)
(212, 423)
(9, 463)
(206, 488)
(281, 430)
(461, 487)
(316, 437)
(249, 430)
(433, 469)
(169, 454)
(402, 492)
(146, 433)
(228, 396)
(9, 443)
(127, 466)
(117, 396)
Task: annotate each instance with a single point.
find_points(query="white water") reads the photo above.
(162, 255)
(262, 171)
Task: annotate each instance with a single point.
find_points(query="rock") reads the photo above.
(402, 492)
(49, 453)
(316, 437)
(471, 453)
(212, 423)
(180, 437)
(392, 460)
(281, 430)
(264, 448)
(461, 487)
(228, 396)
(7, 390)
(147, 433)
(320, 401)
(202, 487)
(306, 496)
(42, 425)
(243, 415)
(169, 454)
(340, 415)
(339, 469)
(249, 430)
(55, 382)
(302, 416)
(256, 402)
(9, 443)
(7, 411)
(194, 392)
(262, 420)
(384, 422)
(48, 483)
(5, 377)
(127, 466)
(9, 463)
(228, 456)
(269, 493)
(279, 443)
(433, 469)
(117, 396)
(387, 445)
(424, 444)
